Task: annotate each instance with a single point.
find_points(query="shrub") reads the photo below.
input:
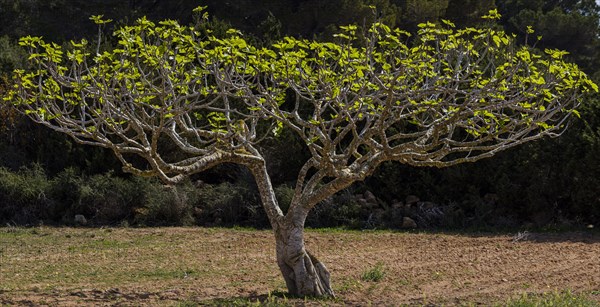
(28, 196)
(284, 196)
(165, 205)
(11, 56)
(341, 209)
(228, 204)
(24, 195)
(103, 198)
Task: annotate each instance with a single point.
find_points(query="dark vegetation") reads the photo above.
(47, 178)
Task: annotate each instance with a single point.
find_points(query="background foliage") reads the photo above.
(45, 177)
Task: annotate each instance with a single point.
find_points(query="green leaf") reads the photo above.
(492, 14)
(497, 40)
(448, 23)
(199, 9)
(97, 19)
(426, 25)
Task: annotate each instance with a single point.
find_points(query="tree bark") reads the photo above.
(304, 274)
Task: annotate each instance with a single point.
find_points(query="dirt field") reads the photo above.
(197, 266)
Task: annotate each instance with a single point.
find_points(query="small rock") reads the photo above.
(407, 222)
(80, 219)
(411, 199)
(590, 226)
(370, 198)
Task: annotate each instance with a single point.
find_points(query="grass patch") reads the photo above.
(562, 299)
(374, 274)
(272, 299)
(330, 230)
(346, 230)
(349, 285)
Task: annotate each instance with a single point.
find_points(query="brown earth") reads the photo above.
(188, 266)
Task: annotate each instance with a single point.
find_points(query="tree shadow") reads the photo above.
(587, 237)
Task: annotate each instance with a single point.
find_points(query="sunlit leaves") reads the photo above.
(98, 19)
(492, 15)
(556, 54)
(530, 30)
(372, 89)
(217, 120)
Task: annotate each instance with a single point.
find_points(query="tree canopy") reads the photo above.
(453, 96)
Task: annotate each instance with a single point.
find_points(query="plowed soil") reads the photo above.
(190, 266)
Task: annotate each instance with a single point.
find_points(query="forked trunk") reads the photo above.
(304, 274)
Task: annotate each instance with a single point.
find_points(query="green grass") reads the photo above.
(558, 299)
(374, 274)
(272, 299)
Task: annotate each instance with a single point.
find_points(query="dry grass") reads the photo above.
(191, 266)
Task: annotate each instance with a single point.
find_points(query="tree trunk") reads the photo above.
(304, 274)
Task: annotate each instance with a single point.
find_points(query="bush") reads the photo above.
(341, 209)
(11, 55)
(103, 199)
(284, 195)
(167, 205)
(228, 204)
(30, 197)
(24, 195)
